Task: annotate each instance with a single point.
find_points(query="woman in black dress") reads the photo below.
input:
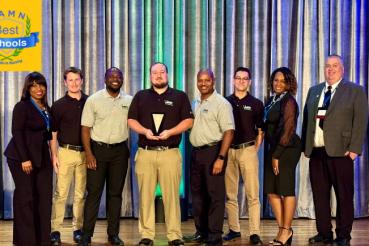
(283, 151)
(29, 162)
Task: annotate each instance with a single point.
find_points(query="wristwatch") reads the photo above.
(221, 157)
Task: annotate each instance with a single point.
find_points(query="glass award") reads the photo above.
(157, 119)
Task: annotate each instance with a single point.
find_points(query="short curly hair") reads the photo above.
(289, 79)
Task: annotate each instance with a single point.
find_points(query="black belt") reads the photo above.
(72, 147)
(157, 148)
(105, 145)
(206, 146)
(243, 145)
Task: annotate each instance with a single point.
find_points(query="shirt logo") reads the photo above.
(168, 103)
(247, 108)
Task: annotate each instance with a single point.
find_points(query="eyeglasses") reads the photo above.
(239, 79)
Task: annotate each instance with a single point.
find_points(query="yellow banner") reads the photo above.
(20, 35)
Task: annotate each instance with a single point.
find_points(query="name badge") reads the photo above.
(321, 113)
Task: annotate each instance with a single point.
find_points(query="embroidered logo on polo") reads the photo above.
(168, 103)
(247, 108)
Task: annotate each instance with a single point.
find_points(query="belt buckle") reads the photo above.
(162, 148)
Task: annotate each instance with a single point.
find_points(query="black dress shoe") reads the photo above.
(177, 242)
(320, 239)
(77, 236)
(85, 240)
(339, 241)
(115, 240)
(146, 242)
(231, 235)
(255, 239)
(55, 238)
(212, 242)
(197, 237)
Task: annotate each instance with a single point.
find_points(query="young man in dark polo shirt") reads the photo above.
(243, 156)
(159, 115)
(69, 159)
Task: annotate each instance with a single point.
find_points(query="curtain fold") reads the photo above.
(188, 35)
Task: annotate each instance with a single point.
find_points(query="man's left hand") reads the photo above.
(350, 154)
(164, 135)
(218, 166)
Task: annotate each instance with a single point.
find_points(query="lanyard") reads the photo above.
(274, 101)
(43, 113)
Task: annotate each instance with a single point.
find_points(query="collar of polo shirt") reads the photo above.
(167, 91)
(107, 95)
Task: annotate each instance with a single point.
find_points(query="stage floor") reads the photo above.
(303, 229)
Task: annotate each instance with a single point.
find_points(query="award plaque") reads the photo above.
(157, 119)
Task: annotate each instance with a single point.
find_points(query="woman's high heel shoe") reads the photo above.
(274, 239)
(289, 240)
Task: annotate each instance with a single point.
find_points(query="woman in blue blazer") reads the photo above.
(29, 162)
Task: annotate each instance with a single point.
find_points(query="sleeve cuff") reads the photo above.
(278, 151)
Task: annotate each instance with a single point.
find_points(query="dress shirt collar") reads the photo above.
(334, 86)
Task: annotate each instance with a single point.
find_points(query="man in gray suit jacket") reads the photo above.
(333, 131)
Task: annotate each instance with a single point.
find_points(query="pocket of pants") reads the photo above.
(136, 154)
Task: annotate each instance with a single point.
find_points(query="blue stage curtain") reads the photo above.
(188, 35)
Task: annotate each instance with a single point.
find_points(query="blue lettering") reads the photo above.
(11, 13)
(21, 15)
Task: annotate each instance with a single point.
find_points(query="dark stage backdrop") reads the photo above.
(191, 34)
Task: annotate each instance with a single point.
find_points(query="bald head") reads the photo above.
(113, 70)
(207, 71)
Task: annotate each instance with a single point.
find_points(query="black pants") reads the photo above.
(208, 193)
(32, 204)
(338, 172)
(112, 164)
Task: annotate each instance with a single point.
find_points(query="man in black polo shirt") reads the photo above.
(69, 160)
(243, 156)
(159, 115)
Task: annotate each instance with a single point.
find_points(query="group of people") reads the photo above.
(84, 139)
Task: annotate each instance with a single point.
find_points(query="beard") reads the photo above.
(113, 89)
(160, 85)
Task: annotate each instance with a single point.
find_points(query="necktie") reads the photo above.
(326, 102)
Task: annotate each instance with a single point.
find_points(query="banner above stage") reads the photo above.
(20, 35)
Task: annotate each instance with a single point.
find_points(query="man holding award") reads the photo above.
(159, 115)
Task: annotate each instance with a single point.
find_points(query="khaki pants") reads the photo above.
(72, 166)
(164, 167)
(245, 162)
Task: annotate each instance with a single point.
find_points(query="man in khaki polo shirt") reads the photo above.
(243, 156)
(104, 137)
(159, 115)
(211, 136)
(69, 159)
